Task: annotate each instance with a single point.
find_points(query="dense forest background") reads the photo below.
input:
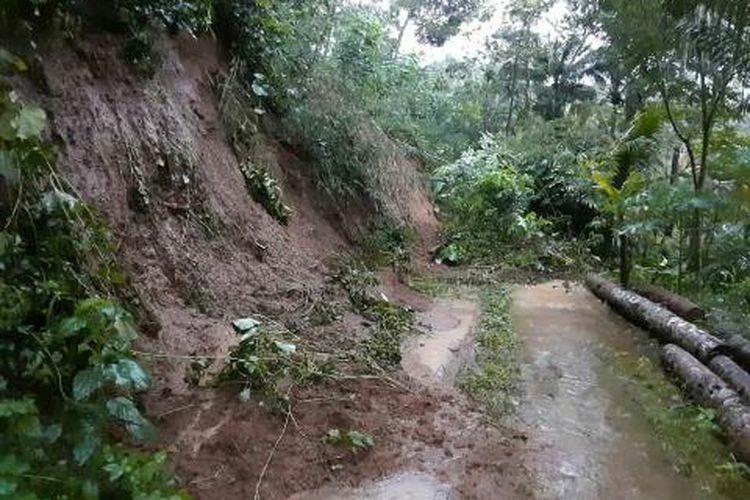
(618, 140)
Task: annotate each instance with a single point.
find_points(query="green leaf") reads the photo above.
(9, 167)
(11, 466)
(245, 325)
(124, 410)
(86, 382)
(52, 433)
(285, 347)
(7, 487)
(17, 407)
(128, 374)
(9, 61)
(29, 122)
(259, 90)
(85, 449)
(28, 426)
(71, 326)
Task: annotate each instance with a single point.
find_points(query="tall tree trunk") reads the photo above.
(402, 32)
(512, 93)
(674, 172)
(624, 260)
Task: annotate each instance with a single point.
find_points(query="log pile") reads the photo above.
(712, 371)
(709, 390)
(667, 326)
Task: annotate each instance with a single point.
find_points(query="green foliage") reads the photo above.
(392, 322)
(66, 370)
(389, 244)
(438, 20)
(352, 440)
(265, 189)
(266, 358)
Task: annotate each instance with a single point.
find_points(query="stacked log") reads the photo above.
(682, 307)
(711, 391)
(738, 348)
(737, 378)
(667, 326)
(704, 363)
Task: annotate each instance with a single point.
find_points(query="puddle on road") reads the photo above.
(589, 439)
(438, 355)
(407, 486)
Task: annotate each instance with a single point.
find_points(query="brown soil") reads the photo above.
(152, 157)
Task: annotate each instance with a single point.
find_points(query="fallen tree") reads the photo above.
(709, 390)
(669, 327)
(738, 348)
(678, 304)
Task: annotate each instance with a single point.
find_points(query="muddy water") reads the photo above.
(587, 439)
(408, 486)
(437, 356)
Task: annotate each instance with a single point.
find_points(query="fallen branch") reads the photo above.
(709, 390)
(669, 327)
(272, 453)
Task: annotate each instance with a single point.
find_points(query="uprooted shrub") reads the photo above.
(267, 361)
(265, 189)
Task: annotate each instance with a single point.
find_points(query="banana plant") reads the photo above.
(621, 177)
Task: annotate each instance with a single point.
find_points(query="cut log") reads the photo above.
(669, 327)
(738, 348)
(678, 304)
(708, 390)
(733, 374)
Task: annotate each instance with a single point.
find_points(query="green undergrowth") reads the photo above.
(434, 287)
(494, 379)
(389, 244)
(352, 440)
(688, 433)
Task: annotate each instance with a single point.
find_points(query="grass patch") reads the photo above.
(434, 287)
(494, 380)
(688, 433)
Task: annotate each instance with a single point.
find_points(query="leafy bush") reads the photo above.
(66, 370)
(486, 199)
(388, 244)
